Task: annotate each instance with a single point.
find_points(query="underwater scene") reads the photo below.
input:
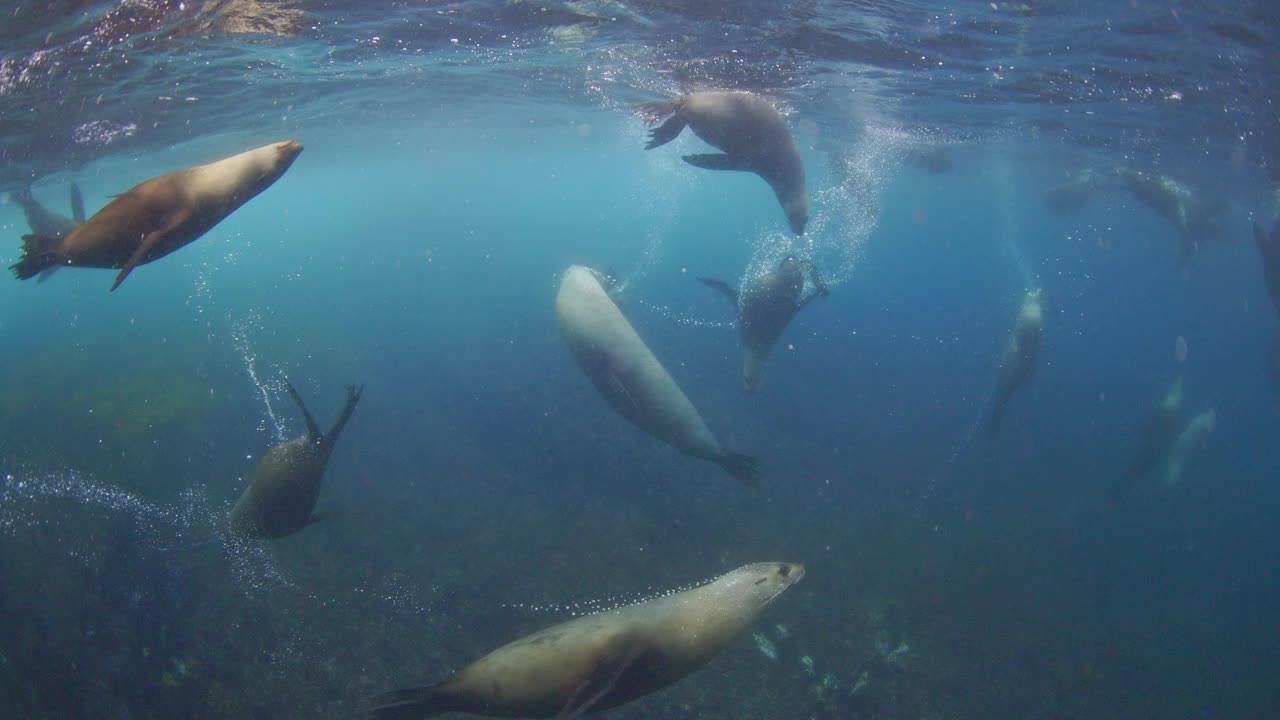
(640, 359)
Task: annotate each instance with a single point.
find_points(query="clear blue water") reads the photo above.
(459, 156)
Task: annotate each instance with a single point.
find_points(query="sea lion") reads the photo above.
(629, 376)
(764, 307)
(750, 131)
(1021, 355)
(43, 221)
(1156, 441)
(605, 659)
(1074, 193)
(286, 483)
(1177, 203)
(1270, 249)
(1193, 437)
(160, 215)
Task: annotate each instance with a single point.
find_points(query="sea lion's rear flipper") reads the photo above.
(412, 703)
(742, 466)
(77, 204)
(720, 161)
(353, 397)
(39, 253)
(47, 273)
(313, 430)
(724, 288)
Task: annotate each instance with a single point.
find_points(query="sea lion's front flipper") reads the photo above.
(313, 430)
(603, 679)
(149, 243)
(720, 161)
(724, 288)
(77, 204)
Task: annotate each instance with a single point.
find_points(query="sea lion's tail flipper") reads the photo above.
(724, 288)
(39, 253)
(313, 430)
(720, 161)
(411, 704)
(353, 397)
(77, 204)
(742, 466)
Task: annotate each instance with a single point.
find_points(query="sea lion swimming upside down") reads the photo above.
(750, 131)
(764, 306)
(286, 484)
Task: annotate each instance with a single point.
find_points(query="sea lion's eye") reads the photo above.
(784, 570)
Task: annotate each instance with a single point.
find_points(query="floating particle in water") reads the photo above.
(1180, 349)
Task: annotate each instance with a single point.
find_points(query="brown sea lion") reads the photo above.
(629, 376)
(602, 660)
(764, 307)
(750, 131)
(1021, 356)
(286, 483)
(160, 215)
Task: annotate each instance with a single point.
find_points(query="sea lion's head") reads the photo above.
(768, 580)
(287, 151)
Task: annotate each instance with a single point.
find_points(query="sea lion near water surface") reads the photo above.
(764, 307)
(605, 659)
(1021, 355)
(286, 482)
(750, 131)
(43, 221)
(1074, 193)
(159, 215)
(629, 376)
(1196, 215)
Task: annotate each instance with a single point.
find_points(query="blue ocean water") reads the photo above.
(459, 156)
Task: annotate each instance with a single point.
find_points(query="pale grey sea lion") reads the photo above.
(751, 132)
(160, 215)
(605, 659)
(764, 306)
(630, 378)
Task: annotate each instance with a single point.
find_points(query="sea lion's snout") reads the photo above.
(290, 149)
(793, 572)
